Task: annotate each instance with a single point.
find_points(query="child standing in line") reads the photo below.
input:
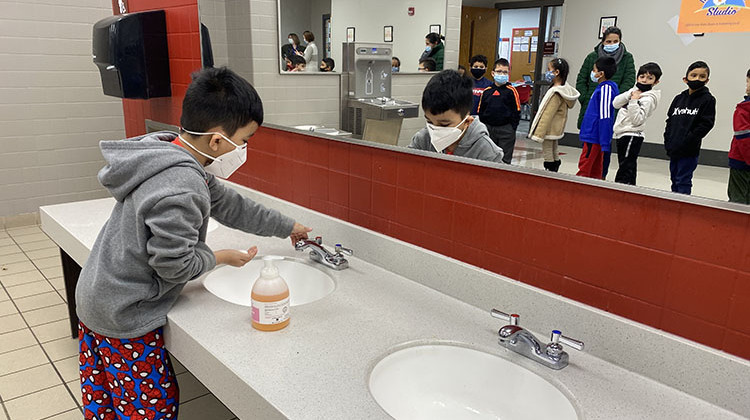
(478, 66)
(635, 105)
(500, 109)
(165, 186)
(446, 101)
(739, 152)
(689, 119)
(598, 122)
(549, 123)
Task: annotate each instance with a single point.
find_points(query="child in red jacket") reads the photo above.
(739, 152)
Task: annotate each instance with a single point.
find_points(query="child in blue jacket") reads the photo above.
(598, 122)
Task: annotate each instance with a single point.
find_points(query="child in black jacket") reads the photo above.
(689, 119)
(500, 109)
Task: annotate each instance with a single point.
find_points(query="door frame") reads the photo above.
(544, 6)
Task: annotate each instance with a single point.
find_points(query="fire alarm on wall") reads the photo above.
(411, 11)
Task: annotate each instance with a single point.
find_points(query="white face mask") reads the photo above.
(225, 165)
(442, 137)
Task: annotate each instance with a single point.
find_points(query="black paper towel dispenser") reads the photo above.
(131, 53)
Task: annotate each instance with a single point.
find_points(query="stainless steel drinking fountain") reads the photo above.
(367, 108)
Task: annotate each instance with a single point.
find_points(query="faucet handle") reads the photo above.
(512, 319)
(340, 249)
(319, 240)
(557, 337)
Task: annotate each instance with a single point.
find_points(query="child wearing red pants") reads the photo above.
(154, 242)
(599, 120)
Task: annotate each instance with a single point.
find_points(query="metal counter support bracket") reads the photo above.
(71, 271)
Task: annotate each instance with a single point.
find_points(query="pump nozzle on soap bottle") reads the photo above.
(270, 298)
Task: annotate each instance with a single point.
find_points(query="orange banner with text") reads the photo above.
(699, 16)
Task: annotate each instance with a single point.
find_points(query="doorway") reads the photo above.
(529, 37)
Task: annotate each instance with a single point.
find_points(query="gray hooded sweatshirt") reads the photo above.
(154, 240)
(475, 143)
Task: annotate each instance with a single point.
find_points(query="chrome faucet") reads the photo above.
(319, 253)
(521, 341)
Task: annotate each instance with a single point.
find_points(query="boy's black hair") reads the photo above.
(562, 66)
(478, 58)
(612, 30)
(748, 73)
(501, 62)
(434, 38)
(698, 65)
(608, 65)
(296, 60)
(397, 60)
(652, 69)
(448, 90)
(429, 64)
(219, 97)
(329, 63)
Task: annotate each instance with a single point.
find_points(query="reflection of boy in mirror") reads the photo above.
(427, 64)
(500, 109)
(327, 64)
(739, 151)
(446, 101)
(478, 64)
(689, 119)
(598, 122)
(395, 65)
(298, 63)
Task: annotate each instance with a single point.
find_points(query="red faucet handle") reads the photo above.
(319, 240)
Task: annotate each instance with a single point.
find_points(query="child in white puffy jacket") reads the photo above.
(635, 105)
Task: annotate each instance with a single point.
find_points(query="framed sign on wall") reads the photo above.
(604, 23)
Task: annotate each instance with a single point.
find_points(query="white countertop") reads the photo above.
(318, 367)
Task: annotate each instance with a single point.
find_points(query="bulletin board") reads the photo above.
(523, 48)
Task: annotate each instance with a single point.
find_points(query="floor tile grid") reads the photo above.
(194, 392)
(36, 338)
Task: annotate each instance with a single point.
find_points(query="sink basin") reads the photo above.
(233, 284)
(452, 382)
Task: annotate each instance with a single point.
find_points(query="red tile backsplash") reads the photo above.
(610, 249)
(676, 266)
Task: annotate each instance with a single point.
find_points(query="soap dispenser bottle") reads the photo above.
(270, 298)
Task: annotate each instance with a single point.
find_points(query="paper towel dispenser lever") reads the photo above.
(131, 53)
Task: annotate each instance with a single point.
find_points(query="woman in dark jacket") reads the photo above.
(434, 49)
(293, 47)
(609, 47)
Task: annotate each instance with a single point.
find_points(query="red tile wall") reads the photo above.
(183, 42)
(675, 266)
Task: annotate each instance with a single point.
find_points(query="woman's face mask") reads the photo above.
(442, 137)
(610, 48)
(225, 165)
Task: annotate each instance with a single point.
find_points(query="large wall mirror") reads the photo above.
(333, 22)
(528, 36)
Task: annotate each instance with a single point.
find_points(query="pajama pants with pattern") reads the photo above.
(126, 378)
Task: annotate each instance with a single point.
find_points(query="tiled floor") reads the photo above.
(708, 181)
(38, 359)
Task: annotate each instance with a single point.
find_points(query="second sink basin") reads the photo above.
(306, 283)
(451, 382)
